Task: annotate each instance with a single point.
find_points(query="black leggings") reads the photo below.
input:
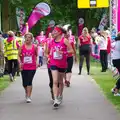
(84, 54)
(27, 77)
(70, 64)
(12, 67)
(116, 64)
(103, 59)
(50, 78)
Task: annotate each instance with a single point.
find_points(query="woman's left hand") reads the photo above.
(38, 65)
(60, 52)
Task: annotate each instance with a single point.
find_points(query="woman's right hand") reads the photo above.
(48, 60)
(20, 66)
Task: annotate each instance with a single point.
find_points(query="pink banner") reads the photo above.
(41, 10)
(118, 15)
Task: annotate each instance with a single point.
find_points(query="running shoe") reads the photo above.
(60, 98)
(79, 73)
(56, 103)
(14, 78)
(67, 83)
(28, 100)
(11, 78)
(116, 94)
(113, 90)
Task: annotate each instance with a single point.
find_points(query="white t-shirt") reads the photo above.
(102, 43)
(40, 51)
(116, 50)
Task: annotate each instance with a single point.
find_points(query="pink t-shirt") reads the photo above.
(41, 39)
(72, 42)
(28, 58)
(59, 60)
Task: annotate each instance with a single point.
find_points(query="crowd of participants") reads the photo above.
(26, 53)
(106, 48)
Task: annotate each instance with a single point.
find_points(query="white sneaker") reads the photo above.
(117, 94)
(11, 77)
(60, 98)
(28, 100)
(112, 90)
(25, 96)
(56, 103)
(14, 79)
(51, 101)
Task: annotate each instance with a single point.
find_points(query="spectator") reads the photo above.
(116, 63)
(1, 55)
(103, 42)
(41, 54)
(84, 50)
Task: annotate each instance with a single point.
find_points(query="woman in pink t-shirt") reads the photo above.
(27, 62)
(41, 38)
(70, 58)
(47, 54)
(60, 47)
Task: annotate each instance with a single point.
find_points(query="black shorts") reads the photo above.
(84, 50)
(62, 70)
(27, 77)
(70, 64)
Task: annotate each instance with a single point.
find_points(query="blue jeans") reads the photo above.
(41, 60)
(96, 49)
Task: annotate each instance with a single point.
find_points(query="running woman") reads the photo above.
(41, 38)
(40, 53)
(27, 61)
(47, 53)
(70, 58)
(60, 47)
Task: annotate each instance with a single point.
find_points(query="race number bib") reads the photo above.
(28, 59)
(57, 56)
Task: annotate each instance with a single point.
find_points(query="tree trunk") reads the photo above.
(5, 15)
(12, 18)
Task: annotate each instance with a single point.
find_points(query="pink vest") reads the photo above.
(28, 58)
(72, 42)
(59, 60)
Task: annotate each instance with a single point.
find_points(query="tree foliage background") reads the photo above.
(62, 11)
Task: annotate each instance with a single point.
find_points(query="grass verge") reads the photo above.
(105, 81)
(4, 82)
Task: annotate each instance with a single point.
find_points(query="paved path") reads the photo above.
(82, 101)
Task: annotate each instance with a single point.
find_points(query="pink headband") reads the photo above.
(58, 29)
